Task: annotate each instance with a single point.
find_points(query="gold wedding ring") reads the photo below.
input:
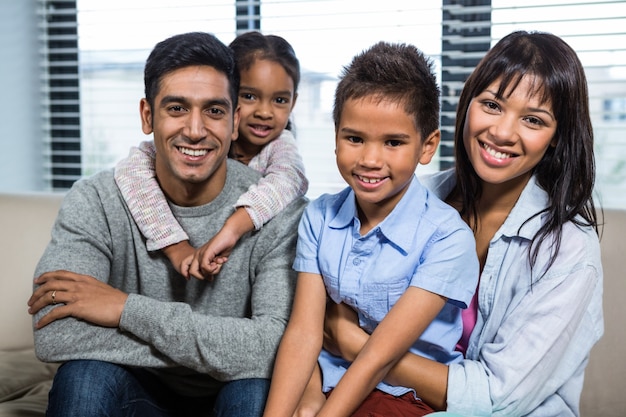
(54, 294)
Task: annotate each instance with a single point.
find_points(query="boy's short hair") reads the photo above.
(393, 71)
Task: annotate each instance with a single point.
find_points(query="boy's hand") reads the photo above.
(313, 398)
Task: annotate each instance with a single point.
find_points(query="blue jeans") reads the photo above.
(94, 388)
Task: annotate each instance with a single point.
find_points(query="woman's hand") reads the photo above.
(342, 335)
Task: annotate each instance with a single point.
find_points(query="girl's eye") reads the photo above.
(282, 100)
(247, 96)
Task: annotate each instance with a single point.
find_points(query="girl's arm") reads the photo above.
(135, 177)
(344, 337)
(283, 180)
(299, 348)
(393, 337)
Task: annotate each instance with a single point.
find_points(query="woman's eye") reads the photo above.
(534, 120)
(491, 105)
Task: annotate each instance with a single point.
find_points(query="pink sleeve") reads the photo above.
(283, 180)
(136, 180)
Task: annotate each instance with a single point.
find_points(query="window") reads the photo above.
(115, 37)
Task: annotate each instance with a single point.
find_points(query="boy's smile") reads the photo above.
(378, 148)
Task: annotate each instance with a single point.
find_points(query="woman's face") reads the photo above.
(505, 138)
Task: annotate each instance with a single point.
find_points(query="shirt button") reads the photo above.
(356, 261)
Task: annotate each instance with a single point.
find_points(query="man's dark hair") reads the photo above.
(185, 50)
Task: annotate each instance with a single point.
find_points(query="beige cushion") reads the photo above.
(24, 383)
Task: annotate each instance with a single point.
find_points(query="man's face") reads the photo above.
(193, 125)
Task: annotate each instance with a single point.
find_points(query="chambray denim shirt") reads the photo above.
(535, 328)
(423, 242)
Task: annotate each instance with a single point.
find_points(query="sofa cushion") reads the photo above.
(24, 383)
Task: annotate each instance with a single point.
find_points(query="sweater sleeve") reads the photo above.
(136, 180)
(283, 180)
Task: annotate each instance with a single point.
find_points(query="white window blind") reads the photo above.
(115, 37)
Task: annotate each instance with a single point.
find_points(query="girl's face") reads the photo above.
(266, 98)
(506, 138)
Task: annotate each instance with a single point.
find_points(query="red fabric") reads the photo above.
(381, 404)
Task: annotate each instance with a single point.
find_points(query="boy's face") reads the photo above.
(378, 148)
(193, 124)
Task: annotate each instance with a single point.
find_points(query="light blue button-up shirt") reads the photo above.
(535, 329)
(423, 243)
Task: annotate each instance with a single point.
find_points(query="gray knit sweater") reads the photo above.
(192, 334)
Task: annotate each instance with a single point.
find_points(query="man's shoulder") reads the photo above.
(293, 211)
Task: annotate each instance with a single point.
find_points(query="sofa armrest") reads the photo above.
(25, 224)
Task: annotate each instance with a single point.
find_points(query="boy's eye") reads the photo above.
(247, 96)
(354, 139)
(282, 100)
(393, 143)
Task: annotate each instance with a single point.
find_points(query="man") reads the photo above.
(134, 336)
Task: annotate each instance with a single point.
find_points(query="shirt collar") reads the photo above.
(532, 200)
(399, 226)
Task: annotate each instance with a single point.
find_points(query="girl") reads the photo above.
(523, 181)
(269, 73)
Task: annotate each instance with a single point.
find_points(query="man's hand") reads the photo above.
(81, 296)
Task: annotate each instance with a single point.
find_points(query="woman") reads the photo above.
(523, 181)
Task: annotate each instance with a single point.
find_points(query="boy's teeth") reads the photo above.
(496, 154)
(370, 180)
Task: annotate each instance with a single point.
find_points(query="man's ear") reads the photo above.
(429, 147)
(146, 116)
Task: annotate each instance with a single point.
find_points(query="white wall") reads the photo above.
(21, 148)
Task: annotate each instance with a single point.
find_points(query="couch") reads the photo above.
(25, 222)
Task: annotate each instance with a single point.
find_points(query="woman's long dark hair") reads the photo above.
(567, 170)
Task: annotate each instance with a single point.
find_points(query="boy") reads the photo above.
(404, 260)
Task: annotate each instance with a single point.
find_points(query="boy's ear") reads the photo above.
(146, 116)
(429, 147)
